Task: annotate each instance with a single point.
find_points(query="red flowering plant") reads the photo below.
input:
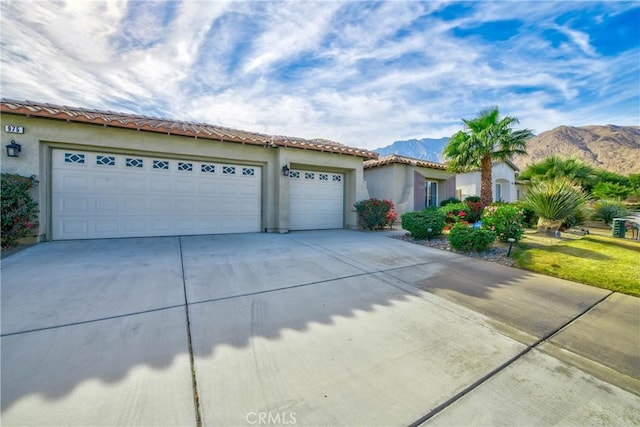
(455, 212)
(375, 214)
(19, 210)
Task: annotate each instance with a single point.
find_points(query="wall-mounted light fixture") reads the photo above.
(285, 170)
(13, 149)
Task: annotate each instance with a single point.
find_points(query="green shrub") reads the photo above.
(465, 238)
(608, 209)
(530, 217)
(449, 201)
(505, 219)
(455, 212)
(610, 190)
(374, 214)
(19, 210)
(417, 223)
(473, 199)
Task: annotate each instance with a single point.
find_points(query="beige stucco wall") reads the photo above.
(396, 182)
(42, 135)
(469, 183)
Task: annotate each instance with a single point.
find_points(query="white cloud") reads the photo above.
(381, 71)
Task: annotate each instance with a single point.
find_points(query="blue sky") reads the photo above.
(362, 73)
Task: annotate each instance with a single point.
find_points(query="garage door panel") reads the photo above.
(316, 200)
(133, 183)
(105, 227)
(107, 195)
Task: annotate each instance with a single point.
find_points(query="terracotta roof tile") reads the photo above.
(174, 127)
(395, 158)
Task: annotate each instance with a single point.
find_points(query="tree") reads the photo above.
(554, 167)
(634, 183)
(484, 139)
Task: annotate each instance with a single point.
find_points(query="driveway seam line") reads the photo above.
(46, 328)
(435, 411)
(319, 282)
(302, 285)
(194, 381)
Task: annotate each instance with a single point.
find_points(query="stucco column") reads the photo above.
(282, 184)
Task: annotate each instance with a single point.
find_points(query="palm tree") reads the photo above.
(554, 167)
(485, 139)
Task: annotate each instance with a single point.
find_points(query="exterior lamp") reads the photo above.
(13, 149)
(285, 170)
(510, 240)
(429, 231)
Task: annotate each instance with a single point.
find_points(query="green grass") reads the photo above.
(595, 259)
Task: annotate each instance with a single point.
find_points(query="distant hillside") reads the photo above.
(613, 148)
(426, 149)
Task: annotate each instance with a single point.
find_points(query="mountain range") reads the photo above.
(609, 147)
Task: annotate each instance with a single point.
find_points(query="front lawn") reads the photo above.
(595, 259)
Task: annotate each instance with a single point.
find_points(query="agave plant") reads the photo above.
(554, 201)
(608, 209)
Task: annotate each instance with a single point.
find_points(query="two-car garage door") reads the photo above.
(98, 195)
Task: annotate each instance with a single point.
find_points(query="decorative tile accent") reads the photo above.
(105, 160)
(74, 158)
(134, 163)
(309, 175)
(161, 164)
(294, 174)
(184, 166)
(207, 168)
(337, 178)
(228, 170)
(248, 171)
(324, 177)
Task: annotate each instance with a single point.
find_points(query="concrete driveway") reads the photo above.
(309, 328)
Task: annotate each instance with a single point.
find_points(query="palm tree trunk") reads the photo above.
(486, 190)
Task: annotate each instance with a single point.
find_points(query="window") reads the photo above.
(161, 164)
(105, 160)
(74, 158)
(309, 175)
(184, 166)
(294, 174)
(498, 193)
(324, 177)
(337, 178)
(207, 168)
(134, 163)
(248, 171)
(228, 170)
(431, 197)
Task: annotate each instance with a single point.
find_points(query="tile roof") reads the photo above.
(174, 127)
(395, 158)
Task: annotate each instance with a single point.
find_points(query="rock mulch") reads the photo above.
(496, 253)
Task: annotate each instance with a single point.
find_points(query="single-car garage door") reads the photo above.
(316, 200)
(100, 195)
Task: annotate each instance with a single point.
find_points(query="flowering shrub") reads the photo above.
(419, 223)
(505, 219)
(375, 214)
(19, 210)
(475, 210)
(465, 238)
(455, 212)
(392, 217)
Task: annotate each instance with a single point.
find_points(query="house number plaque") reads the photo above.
(13, 129)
